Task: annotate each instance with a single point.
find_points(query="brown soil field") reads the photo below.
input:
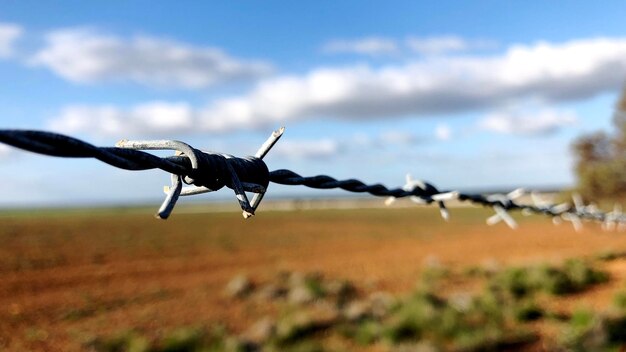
(66, 277)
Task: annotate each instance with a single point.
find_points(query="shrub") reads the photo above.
(528, 311)
(185, 339)
(585, 331)
(127, 341)
(574, 276)
(583, 275)
(466, 323)
(514, 281)
(368, 332)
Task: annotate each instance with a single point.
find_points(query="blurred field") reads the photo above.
(66, 278)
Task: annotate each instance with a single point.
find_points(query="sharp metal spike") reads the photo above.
(578, 202)
(505, 216)
(574, 219)
(501, 215)
(494, 219)
(445, 214)
(170, 200)
(516, 194)
(269, 143)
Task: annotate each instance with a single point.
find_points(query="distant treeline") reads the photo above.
(601, 159)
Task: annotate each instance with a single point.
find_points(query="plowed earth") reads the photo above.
(67, 277)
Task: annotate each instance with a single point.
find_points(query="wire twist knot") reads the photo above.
(210, 171)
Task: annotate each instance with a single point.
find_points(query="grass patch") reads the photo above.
(186, 339)
(573, 276)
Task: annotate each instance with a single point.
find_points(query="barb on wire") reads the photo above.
(206, 172)
(412, 184)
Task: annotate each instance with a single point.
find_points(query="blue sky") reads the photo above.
(471, 95)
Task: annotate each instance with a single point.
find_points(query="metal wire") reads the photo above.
(209, 171)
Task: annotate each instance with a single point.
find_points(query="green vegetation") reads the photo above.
(313, 310)
(596, 331)
(180, 340)
(574, 276)
(467, 323)
(601, 164)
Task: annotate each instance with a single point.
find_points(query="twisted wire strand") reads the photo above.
(288, 177)
(53, 144)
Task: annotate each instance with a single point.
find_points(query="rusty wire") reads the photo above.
(209, 171)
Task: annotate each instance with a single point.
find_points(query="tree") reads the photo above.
(601, 159)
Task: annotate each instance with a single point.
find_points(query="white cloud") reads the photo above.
(86, 56)
(307, 149)
(364, 46)
(531, 124)
(437, 45)
(443, 132)
(9, 33)
(550, 73)
(544, 72)
(149, 119)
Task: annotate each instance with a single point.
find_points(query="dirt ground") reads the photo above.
(67, 277)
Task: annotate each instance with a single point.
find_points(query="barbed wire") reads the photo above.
(209, 171)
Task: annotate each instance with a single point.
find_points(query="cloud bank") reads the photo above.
(147, 119)
(86, 56)
(543, 72)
